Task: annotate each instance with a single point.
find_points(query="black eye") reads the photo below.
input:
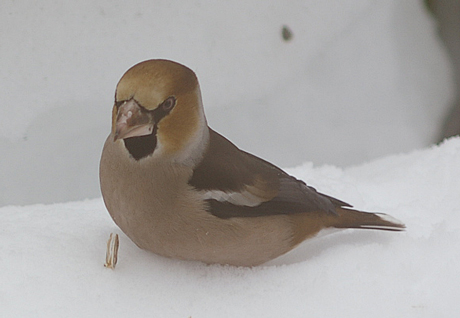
(168, 104)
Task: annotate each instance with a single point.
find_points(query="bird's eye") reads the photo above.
(168, 104)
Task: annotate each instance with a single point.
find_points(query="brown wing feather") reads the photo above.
(228, 169)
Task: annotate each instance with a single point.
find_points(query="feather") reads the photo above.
(235, 183)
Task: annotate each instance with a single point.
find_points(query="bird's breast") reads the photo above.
(154, 205)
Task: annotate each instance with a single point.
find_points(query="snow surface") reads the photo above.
(358, 80)
(52, 256)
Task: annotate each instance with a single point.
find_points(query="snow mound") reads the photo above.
(52, 256)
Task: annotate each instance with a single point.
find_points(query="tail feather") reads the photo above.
(349, 218)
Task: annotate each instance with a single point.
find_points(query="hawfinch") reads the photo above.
(179, 189)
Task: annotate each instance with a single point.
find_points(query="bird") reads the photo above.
(179, 189)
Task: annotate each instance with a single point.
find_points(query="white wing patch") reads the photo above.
(244, 198)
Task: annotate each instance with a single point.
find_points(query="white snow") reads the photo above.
(359, 83)
(52, 257)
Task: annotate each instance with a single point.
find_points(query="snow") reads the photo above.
(52, 256)
(346, 102)
(358, 80)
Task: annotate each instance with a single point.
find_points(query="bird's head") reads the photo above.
(158, 112)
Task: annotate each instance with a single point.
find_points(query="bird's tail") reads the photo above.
(349, 218)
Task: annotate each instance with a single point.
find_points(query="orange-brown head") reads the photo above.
(158, 112)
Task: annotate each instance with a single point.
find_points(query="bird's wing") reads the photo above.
(235, 183)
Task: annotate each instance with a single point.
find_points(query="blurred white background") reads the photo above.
(358, 80)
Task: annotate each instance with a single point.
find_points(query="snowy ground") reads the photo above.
(52, 257)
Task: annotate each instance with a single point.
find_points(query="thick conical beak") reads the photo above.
(132, 121)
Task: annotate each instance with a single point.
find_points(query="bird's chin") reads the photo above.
(141, 146)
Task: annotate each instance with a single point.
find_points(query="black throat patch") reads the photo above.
(142, 146)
